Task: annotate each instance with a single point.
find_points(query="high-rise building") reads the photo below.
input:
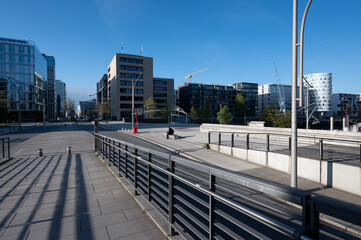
(250, 94)
(320, 91)
(125, 70)
(86, 108)
(60, 97)
(102, 97)
(50, 95)
(23, 72)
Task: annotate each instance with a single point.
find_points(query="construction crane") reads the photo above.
(281, 95)
(191, 75)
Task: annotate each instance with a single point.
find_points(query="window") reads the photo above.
(2, 47)
(130, 68)
(132, 76)
(129, 83)
(158, 82)
(11, 48)
(11, 58)
(21, 49)
(130, 60)
(160, 89)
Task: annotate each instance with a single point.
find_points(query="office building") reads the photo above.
(60, 97)
(207, 98)
(125, 70)
(23, 71)
(275, 95)
(50, 94)
(87, 108)
(250, 94)
(320, 91)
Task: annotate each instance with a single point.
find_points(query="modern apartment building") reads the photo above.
(60, 97)
(86, 108)
(250, 94)
(343, 104)
(207, 97)
(23, 72)
(50, 95)
(272, 94)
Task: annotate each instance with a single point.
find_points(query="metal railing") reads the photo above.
(277, 138)
(5, 149)
(204, 202)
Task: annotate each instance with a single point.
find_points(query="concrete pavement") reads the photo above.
(61, 196)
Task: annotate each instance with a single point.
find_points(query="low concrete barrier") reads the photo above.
(336, 175)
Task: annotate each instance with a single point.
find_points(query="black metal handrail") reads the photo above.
(5, 140)
(319, 140)
(185, 203)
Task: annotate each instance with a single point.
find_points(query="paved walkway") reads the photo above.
(60, 196)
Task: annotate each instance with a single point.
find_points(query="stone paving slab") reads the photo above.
(60, 196)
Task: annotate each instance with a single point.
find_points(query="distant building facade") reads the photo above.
(86, 108)
(23, 69)
(268, 94)
(346, 103)
(60, 97)
(50, 95)
(321, 91)
(208, 98)
(250, 94)
(122, 72)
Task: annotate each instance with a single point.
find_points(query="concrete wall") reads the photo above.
(336, 175)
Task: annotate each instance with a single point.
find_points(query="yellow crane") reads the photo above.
(191, 75)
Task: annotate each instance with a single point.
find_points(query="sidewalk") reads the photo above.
(61, 196)
(191, 144)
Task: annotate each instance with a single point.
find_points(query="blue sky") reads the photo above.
(237, 39)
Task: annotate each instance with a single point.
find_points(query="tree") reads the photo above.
(241, 108)
(193, 113)
(166, 112)
(151, 107)
(273, 118)
(69, 105)
(224, 116)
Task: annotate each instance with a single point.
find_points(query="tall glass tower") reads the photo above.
(23, 72)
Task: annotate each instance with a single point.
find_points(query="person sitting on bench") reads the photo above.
(170, 132)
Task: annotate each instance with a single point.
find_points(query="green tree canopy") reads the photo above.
(151, 107)
(193, 113)
(241, 108)
(69, 105)
(273, 118)
(224, 116)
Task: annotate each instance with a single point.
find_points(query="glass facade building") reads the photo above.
(321, 90)
(59, 96)
(23, 71)
(250, 94)
(50, 95)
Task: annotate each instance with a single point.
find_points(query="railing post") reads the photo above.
(219, 139)
(267, 142)
(321, 149)
(8, 147)
(4, 147)
(232, 140)
(247, 141)
(149, 177)
(209, 137)
(126, 161)
(119, 152)
(135, 171)
(171, 197)
(212, 180)
(289, 144)
(360, 152)
(314, 220)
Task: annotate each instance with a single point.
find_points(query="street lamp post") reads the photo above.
(294, 86)
(133, 87)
